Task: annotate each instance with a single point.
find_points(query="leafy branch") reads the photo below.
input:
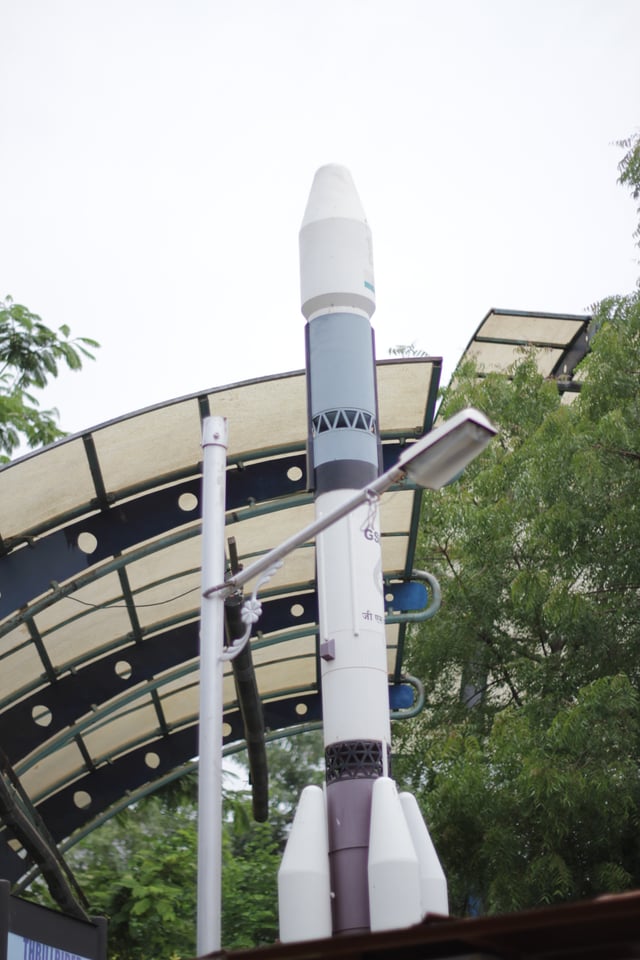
(30, 355)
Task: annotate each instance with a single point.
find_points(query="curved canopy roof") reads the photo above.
(100, 580)
(100, 590)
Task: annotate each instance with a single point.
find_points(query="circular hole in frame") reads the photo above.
(82, 799)
(123, 670)
(87, 542)
(41, 715)
(187, 502)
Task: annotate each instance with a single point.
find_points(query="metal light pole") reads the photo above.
(214, 444)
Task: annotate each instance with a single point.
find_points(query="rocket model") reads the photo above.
(359, 856)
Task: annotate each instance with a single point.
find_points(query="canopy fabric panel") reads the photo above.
(559, 341)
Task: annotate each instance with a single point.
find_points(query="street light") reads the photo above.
(433, 461)
(439, 457)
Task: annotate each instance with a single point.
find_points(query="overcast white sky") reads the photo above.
(156, 156)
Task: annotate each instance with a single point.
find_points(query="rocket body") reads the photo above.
(344, 452)
(338, 300)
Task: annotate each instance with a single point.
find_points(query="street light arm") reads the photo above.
(431, 462)
(371, 492)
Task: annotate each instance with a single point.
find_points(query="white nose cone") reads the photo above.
(433, 883)
(304, 889)
(394, 872)
(333, 194)
(336, 256)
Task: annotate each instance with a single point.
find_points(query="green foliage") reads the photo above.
(537, 813)
(249, 889)
(629, 169)
(407, 350)
(30, 354)
(526, 759)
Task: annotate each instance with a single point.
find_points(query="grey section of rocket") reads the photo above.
(344, 447)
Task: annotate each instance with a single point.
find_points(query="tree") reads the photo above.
(526, 759)
(407, 350)
(249, 889)
(629, 168)
(30, 354)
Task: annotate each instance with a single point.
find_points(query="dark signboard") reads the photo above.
(31, 932)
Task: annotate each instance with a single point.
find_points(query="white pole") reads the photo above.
(214, 444)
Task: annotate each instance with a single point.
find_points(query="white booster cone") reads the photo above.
(394, 872)
(304, 890)
(433, 883)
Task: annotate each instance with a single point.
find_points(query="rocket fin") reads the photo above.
(433, 883)
(304, 891)
(394, 872)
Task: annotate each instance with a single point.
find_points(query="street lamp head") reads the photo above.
(437, 458)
